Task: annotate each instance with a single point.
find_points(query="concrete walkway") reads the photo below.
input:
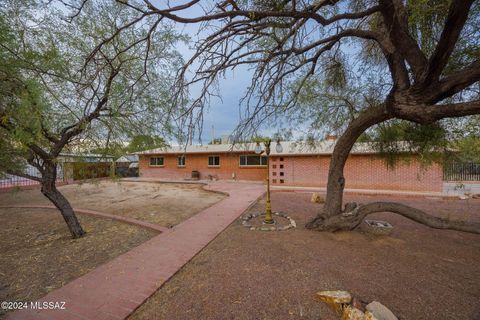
(115, 289)
(368, 192)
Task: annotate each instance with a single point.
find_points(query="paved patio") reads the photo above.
(115, 289)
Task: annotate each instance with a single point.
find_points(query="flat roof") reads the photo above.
(291, 148)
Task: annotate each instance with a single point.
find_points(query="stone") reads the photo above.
(293, 223)
(335, 299)
(317, 198)
(352, 313)
(369, 316)
(380, 312)
(377, 227)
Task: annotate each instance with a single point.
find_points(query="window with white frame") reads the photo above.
(156, 161)
(252, 160)
(181, 161)
(213, 161)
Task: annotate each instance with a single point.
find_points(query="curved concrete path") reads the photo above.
(114, 290)
(128, 220)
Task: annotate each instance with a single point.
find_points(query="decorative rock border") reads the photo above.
(128, 220)
(246, 219)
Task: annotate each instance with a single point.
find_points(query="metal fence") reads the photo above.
(461, 171)
(9, 181)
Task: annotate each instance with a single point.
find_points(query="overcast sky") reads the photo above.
(222, 114)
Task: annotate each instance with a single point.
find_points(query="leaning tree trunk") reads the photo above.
(336, 180)
(50, 190)
(334, 218)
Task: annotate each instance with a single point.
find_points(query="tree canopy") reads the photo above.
(58, 92)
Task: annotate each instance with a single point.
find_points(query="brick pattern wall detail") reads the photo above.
(361, 172)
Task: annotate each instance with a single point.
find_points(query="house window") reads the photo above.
(281, 174)
(282, 181)
(274, 181)
(252, 160)
(213, 161)
(281, 158)
(181, 161)
(156, 161)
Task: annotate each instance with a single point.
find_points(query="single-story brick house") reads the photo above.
(297, 165)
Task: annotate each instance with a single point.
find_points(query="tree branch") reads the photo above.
(395, 19)
(452, 84)
(457, 16)
(354, 215)
(426, 114)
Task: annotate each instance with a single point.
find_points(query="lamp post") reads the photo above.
(258, 150)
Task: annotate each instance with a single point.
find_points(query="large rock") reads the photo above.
(317, 198)
(352, 313)
(380, 312)
(336, 299)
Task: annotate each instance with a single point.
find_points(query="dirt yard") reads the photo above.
(418, 272)
(37, 253)
(166, 204)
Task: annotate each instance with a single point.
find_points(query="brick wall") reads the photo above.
(361, 172)
(229, 164)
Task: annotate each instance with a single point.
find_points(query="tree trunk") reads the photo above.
(336, 180)
(50, 190)
(333, 218)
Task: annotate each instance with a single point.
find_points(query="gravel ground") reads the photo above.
(418, 272)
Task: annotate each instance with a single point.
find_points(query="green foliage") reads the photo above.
(336, 74)
(426, 19)
(438, 142)
(468, 149)
(393, 139)
(216, 141)
(144, 142)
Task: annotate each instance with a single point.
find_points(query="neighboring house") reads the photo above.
(127, 166)
(298, 165)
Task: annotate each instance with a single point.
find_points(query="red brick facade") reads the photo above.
(361, 171)
(229, 165)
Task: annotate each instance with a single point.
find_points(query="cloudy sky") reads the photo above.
(223, 114)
